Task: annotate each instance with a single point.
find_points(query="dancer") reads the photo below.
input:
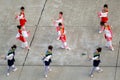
(10, 59)
(103, 16)
(21, 37)
(21, 18)
(96, 61)
(108, 36)
(60, 30)
(47, 59)
(22, 21)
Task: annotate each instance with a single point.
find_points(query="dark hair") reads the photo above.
(105, 6)
(18, 26)
(14, 46)
(22, 8)
(60, 24)
(61, 13)
(50, 47)
(99, 49)
(102, 23)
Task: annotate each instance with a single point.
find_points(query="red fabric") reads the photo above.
(104, 19)
(63, 38)
(21, 38)
(109, 28)
(62, 30)
(23, 20)
(57, 28)
(20, 32)
(108, 38)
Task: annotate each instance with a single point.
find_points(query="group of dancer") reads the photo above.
(22, 33)
(106, 28)
(61, 35)
(21, 36)
(59, 24)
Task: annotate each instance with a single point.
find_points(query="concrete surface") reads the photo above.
(81, 25)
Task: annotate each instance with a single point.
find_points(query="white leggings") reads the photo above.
(109, 44)
(24, 44)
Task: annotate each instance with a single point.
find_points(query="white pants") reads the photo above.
(64, 45)
(10, 67)
(25, 44)
(95, 69)
(109, 44)
(47, 68)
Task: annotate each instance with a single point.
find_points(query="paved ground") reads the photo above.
(81, 24)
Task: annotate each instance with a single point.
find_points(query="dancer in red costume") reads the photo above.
(103, 15)
(59, 24)
(21, 17)
(108, 36)
(21, 37)
(22, 21)
(60, 30)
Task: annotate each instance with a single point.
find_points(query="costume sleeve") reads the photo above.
(20, 16)
(94, 58)
(47, 58)
(103, 14)
(58, 21)
(9, 57)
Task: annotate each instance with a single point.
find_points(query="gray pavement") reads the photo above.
(81, 25)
